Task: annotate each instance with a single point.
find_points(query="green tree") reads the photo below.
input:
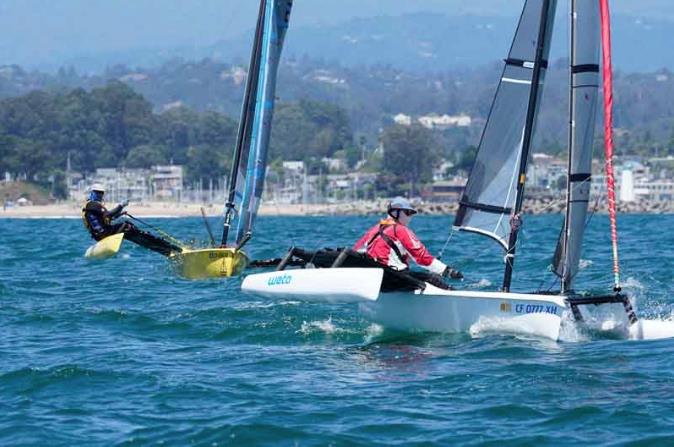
(410, 152)
(145, 156)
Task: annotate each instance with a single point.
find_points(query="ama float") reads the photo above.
(491, 205)
(105, 248)
(250, 153)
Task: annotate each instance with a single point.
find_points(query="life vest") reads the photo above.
(96, 212)
(383, 224)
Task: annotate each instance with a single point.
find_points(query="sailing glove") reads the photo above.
(124, 203)
(451, 273)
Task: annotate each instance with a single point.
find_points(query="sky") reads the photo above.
(38, 32)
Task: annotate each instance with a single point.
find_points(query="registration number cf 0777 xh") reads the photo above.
(535, 309)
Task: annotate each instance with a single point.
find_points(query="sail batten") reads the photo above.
(583, 96)
(491, 194)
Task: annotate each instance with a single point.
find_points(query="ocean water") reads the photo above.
(123, 352)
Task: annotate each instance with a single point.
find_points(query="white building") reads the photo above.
(167, 182)
(434, 121)
(402, 119)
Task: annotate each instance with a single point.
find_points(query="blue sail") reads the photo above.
(276, 19)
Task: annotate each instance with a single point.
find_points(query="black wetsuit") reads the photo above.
(99, 222)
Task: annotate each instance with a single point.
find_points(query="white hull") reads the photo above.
(353, 285)
(434, 309)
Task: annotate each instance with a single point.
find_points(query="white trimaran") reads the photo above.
(492, 202)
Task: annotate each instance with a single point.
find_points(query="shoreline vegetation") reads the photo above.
(362, 208)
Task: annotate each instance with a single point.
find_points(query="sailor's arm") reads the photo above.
(116, 211)
(423, 257)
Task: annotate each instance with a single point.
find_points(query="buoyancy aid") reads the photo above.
(383, 224)
(95, 218)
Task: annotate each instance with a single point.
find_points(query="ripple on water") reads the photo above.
(123, 352)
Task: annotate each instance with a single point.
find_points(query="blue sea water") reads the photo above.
(123, 352)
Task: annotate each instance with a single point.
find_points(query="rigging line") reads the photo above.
(444, 247)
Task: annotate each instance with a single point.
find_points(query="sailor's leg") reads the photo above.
(149, 241)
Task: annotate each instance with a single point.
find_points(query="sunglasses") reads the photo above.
(409, 212)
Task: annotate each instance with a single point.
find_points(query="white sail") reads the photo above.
(492, 189)
(584, 88)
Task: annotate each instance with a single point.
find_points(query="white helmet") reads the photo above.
(97, 187)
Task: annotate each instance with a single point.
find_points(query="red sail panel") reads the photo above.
(608, 132)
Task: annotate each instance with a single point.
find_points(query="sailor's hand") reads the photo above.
(451, 273)
(125, 203)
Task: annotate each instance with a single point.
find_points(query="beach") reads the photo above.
(361, 208)
(172, 209)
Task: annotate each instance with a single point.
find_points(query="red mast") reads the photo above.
(608, 133)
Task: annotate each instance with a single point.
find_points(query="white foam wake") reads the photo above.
(325, 326)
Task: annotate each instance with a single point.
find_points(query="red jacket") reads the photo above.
(379, 241)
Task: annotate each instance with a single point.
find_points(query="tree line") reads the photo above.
(369, 96)
(113, 126)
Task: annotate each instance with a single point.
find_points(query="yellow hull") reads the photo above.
(210, 263)
(105, 248)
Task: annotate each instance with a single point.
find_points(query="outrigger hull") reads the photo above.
(431, 309)
(209, 263)
(105, 248)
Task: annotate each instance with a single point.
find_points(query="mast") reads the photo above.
(495, 184)
(515, 222)
(245, 123)
(583, 90)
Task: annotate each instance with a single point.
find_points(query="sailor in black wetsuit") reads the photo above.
(100, 224)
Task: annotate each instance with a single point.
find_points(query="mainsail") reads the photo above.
(584, 86)
(494, 190)
(250, 154)
(276, 20)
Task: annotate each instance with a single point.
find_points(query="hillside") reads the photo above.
(372, 95)
(427, 36)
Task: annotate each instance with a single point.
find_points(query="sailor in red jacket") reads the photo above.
(392, 243)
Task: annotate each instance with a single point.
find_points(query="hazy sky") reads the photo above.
(33, 32)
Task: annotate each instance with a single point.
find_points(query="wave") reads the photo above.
(324, 326)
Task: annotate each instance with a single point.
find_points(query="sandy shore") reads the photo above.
(165, 209)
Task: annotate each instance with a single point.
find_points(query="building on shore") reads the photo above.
(447, 191)
(162, 182)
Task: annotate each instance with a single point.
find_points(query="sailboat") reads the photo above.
(246, 181)
(491, 204)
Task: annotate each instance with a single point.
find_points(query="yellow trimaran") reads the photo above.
(190, 263)
(250, 158)
(253, 138)
(209, 262)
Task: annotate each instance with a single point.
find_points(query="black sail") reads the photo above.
(492, 189)
(584, 88)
